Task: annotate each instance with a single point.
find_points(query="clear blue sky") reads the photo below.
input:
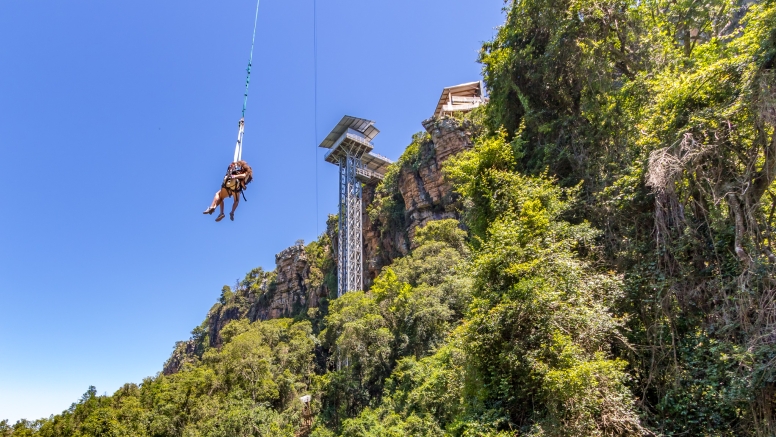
(117, 120)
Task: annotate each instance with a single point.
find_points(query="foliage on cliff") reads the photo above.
(611, 274)
(532, 354)
(665, 112)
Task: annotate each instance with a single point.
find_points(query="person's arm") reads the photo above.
(239, 176)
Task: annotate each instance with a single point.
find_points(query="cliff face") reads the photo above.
(449, 135)
(291, 290)
(295, 285)
(422, 189)
(427, 195)
(379, 247)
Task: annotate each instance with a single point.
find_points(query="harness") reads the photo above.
(233, 185)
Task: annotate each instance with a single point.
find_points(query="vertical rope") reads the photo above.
(315, 107)
(250, 60)
(238, 146)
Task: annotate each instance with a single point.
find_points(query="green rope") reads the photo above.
(250, 60)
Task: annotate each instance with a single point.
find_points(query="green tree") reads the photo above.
(539, 329)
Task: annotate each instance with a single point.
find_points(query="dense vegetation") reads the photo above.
(611, 275)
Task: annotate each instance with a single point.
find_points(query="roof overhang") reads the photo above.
(373, 169)
(470, 89)
(353, 136)
(364, 127)
(351, 143)
(376, 162)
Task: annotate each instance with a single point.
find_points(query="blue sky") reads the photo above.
(117, 120)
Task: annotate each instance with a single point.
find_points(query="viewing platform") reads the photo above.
(350, 149)
(353, 137)
(460, 98)
(373, 169)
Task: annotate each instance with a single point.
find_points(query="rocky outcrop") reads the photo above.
(449, 135)
(425, 192)
(290, 289)
(184, 352)
(294, 286)
(380, 248)
(220, 315)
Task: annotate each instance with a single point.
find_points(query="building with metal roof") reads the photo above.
(460, 98)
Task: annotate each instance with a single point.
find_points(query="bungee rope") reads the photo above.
(241, 130)
(315, 106)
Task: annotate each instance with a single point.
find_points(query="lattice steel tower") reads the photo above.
(350, 149)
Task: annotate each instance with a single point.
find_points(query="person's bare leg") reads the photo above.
(216, 200)
(212, 206)
(221, 213)
(234, 205)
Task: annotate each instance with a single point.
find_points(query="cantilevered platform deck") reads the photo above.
(353, 136)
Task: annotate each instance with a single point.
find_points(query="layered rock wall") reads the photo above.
(290, 289)
(426, 194)
(450, 136)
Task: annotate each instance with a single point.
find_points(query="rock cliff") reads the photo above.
(421, 191)
(295, 285)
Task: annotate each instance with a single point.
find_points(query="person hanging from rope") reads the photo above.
(238, 175)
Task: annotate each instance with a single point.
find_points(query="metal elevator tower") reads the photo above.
(350, 149)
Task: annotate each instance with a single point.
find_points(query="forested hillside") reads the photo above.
(602, 264)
